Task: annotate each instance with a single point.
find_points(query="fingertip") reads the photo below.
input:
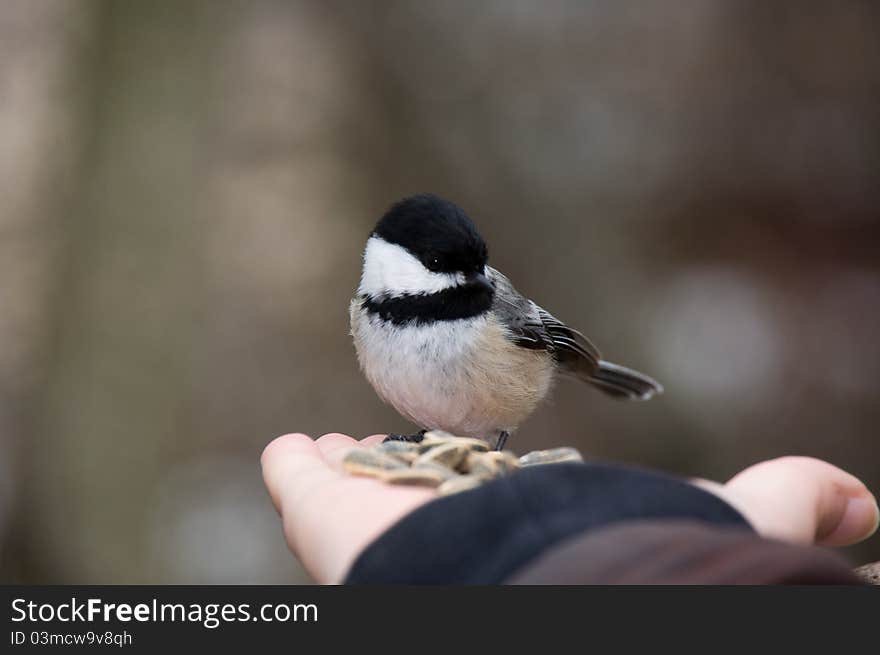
(858, 521)
(373, 439)
(332, 439)
(846, 480)
(271, 460)
(291, 464)
(295, 441)
(804, 500)
(333, 447)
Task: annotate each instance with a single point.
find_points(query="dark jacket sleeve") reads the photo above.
(517, 529)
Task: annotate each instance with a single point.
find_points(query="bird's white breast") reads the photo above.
(462, 376)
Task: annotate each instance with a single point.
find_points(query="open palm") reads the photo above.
(330, 517)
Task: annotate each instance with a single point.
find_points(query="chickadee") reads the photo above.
(449, 343)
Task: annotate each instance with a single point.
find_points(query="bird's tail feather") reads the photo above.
(622, 382)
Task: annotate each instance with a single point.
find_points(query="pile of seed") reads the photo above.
(445, 462)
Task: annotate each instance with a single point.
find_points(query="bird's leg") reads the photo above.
(412, 438)
(502, 440)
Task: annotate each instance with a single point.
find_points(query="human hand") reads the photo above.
(329, 516)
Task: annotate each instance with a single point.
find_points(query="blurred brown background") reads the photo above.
(187, 186)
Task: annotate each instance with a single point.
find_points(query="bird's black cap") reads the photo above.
(435, 231)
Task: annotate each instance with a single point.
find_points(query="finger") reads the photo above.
(802, 500)
(334, 446)
(292, 465)
(373, 440)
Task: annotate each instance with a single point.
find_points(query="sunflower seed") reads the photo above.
(421, 477)
(458, 484)
(449, 455)
(438, 438)
(405, 451)
(490, 465)
(551, 456)
(371, 463)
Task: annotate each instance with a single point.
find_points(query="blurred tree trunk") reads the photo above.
(41, 44)
(123, 306)
(215, 227)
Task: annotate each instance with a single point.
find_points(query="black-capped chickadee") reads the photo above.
(449, 343)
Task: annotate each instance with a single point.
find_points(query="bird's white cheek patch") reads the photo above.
(389, 270)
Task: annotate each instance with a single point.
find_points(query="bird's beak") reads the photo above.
(480, 280)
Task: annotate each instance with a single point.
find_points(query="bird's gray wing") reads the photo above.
(533, 327)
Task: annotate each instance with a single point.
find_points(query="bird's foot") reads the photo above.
(502, 441)
(412, 438)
